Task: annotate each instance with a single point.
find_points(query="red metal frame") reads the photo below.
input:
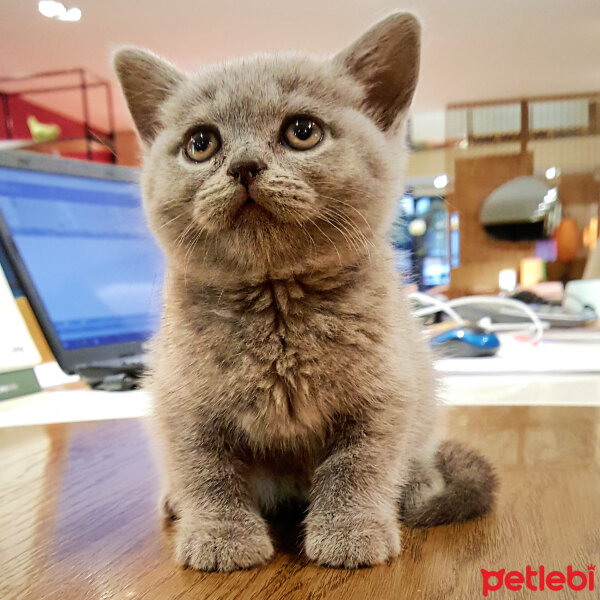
(86, 81)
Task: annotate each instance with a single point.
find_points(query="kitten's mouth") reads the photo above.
(249, 204)
(249, 208)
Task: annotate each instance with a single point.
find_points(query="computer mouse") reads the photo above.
(466, 341)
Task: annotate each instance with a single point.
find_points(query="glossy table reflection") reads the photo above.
(78, 518)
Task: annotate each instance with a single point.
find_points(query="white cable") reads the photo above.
(539, 327)
(437, 304)
(447, 307)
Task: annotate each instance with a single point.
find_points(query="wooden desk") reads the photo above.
(78, 518)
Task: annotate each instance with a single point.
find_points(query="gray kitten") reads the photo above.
(287, 364)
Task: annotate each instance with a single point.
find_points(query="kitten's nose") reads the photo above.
(246, 169)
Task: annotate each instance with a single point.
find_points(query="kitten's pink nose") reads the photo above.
(246, 169)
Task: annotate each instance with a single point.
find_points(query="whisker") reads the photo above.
(330, 240)
(171, 220)
(351, 228)
(188, 256)
(305, 232)
(349, 240)
(358, 212)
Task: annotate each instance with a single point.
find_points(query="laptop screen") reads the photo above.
(86, 246)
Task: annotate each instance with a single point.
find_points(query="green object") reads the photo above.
(18, 383)
(42, 132)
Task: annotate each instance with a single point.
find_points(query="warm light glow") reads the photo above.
(73, 14)
(417, 227)
(531, 271)
(57, 10)
(507, 280)
(51, 9)
(590, 234)
(440, 182)
(454, 221)
(552, 173)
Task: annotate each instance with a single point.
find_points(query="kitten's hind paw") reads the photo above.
(221, 545)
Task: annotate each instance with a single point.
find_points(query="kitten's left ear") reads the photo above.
(385, 60)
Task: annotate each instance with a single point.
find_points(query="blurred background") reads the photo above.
(507, 89)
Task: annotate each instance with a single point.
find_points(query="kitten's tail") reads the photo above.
(457, 486)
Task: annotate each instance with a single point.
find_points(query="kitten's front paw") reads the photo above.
(351, 542)
(222, 545)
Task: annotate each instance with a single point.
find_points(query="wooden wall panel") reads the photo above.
(482, 258)
(578, 188)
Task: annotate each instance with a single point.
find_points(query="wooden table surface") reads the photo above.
(78, 518)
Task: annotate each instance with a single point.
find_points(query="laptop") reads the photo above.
(75, 234)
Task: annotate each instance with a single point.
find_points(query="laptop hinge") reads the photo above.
(117, 382)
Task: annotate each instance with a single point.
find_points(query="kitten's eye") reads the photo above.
(301, 133)
(202, 144)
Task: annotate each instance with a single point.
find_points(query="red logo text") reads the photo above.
(538, 581)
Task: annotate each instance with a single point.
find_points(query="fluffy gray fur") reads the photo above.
(287, 364)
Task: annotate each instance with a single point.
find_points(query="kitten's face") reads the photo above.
(282, 188)
(267, 163)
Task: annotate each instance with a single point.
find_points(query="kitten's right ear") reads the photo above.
(147, 81)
